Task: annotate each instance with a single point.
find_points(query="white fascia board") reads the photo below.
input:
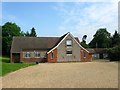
(78, 43)
(58, 44)
(64, 39)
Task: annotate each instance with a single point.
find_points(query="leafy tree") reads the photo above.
(114, 53)
(93, 43)
(22, 33)
(84, 38)
(27, 34)
(0, 40)
(33, 32)
(83, 43)
(101, 39)
(115, 39)
(9, 30)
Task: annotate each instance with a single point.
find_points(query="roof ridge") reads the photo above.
(41, 37)
(32, 37)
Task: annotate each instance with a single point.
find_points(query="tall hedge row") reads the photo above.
(114, 53)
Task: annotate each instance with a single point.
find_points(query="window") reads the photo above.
(68, 42)
(37, 54)
(69, 52)
(84, 55)
(27, 54)
(52, 55)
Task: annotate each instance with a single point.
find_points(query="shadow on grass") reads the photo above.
(5, 59)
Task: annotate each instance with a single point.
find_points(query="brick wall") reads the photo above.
(31, 59)
(49, 59)
(88, 56)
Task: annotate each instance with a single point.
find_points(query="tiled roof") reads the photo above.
(35, 43)
(97, 50)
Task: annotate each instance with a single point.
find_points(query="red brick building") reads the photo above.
(48, 49)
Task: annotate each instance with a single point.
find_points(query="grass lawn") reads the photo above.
(7, 67)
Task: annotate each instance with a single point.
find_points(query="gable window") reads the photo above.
(68, 42)
(37, 54)
(27, 54)
(69, 52)
(52, 55)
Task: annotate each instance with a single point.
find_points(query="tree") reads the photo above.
(9, 30)
(27, 34)
(0, 40)
(83, 43)
(101, 39)
(22, 33)
(114, 53)
(115, 39)
(84, 38)
(33, 32)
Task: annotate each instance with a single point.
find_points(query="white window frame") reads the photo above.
(69, 43)
(37, 54)
(27, 55)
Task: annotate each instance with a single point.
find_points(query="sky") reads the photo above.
(58, 18)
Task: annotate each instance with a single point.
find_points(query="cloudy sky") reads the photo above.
(58, 18)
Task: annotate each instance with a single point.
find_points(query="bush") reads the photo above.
(114, 53)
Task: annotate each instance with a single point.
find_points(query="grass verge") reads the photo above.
(7, 67)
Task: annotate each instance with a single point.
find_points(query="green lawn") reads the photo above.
(7, 67)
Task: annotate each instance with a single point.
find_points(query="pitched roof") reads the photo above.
(35, 43)
(97, 50)
(76, 40)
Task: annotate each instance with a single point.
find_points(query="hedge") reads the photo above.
(114, 53)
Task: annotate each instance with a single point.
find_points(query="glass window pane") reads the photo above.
(69, 52)
(69, 42)
(27, 54)
(84, 55)
(37, 54)
(52, 55)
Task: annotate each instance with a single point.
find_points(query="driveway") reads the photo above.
(65, 75)
(0, 83)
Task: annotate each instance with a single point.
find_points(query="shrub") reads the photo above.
(114, 53)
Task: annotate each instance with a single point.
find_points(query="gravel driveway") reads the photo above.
(65, 75)
(0, 83)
